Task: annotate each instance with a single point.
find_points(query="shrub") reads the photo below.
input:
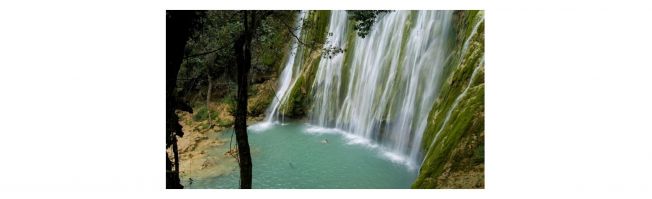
(201, 114)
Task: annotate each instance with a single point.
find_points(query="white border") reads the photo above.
(567, 98)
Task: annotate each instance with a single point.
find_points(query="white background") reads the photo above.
(568, 99)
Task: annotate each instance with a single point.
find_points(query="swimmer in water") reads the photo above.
(325, 141)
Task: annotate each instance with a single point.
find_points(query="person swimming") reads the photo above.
(325, 141)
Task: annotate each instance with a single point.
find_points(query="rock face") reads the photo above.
(453, 142)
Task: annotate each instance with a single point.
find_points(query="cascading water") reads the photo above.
(390, 81)
(328, 78)
(289, 73)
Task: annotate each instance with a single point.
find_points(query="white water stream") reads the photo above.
(288, 75)
(387, 90)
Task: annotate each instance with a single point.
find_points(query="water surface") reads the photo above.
(298, 155)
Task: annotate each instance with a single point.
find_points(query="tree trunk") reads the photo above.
(243, 60)
(178, 30)
(175, 150)
(172, 178)
(208, 98)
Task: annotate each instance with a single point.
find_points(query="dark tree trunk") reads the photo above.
(208, 98)
(178, 30)
(243, 60)
(172, 180)
(175, 150)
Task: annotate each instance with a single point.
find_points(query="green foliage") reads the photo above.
(229, 99)
(273, 36)
(364, 19)
(210, 51)
(201, 114)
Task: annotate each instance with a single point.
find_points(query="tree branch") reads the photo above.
(291, 30)
(206, 53)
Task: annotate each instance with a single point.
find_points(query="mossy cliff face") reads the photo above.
(314, 32)
(453, 142)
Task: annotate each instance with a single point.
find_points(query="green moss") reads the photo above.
(298, 101)
(295, 106)
(452, 148)
(464, 122)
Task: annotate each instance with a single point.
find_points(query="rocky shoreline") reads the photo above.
(203, 149)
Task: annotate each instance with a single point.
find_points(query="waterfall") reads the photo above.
(328, 78)
(289, 73)
(384, 86)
